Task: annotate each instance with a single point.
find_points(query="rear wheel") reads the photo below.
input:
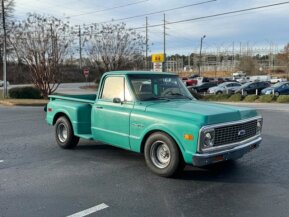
(64, 134)
(219, 92)
(162, 155)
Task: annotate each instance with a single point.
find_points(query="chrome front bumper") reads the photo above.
(202, 159)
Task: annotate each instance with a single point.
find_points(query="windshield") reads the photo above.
(224, 84)
(278, 84)
(158, 87)
(246, 84)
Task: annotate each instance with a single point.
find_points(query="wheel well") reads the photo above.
(150, 133)
(58, 115)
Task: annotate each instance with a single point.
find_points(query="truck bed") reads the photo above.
(85, 98)
(77, 108)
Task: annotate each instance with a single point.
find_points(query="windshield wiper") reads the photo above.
(179, 94)
(156, 98)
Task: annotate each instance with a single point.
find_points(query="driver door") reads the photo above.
(111, 117)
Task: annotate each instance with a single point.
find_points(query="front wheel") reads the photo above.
(64, 134)
(162, 155)
(277, 94)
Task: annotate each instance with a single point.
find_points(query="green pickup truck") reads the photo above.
(154, 114)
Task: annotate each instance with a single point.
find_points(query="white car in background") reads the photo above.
(2, 83)
(226, 87)
(275, 80)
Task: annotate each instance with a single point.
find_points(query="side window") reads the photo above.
(115, 87)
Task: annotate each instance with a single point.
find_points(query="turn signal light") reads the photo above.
(188, 136)
(49, 110)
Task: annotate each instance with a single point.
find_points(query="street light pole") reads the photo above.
(200, 57)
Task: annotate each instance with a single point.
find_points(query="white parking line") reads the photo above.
(89, 210)
(1, 161)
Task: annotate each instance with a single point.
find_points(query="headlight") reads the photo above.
(259, 126)
(207, 138)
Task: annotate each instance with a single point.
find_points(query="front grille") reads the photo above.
(231, 134)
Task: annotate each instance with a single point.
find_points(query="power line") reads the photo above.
(217, 15)
(158, 12)
(107, 9)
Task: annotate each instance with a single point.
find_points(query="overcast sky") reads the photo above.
(257, 28)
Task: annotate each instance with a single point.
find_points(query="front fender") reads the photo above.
(187, 147)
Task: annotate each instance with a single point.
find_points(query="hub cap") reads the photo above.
(160, 154)
(62, 132)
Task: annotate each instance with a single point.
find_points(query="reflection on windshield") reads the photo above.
(158, 87)
(278, 84)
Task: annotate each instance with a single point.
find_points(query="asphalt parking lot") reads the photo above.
(39, 179)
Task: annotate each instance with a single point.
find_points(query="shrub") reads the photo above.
(25, 93)
(283, 99)
(266, 98)
(235, 98)
(208, 97)
(222, 97)
(250, 98)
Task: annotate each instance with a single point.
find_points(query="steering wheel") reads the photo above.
(170, 91)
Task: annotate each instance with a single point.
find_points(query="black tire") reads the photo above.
(277, 94)
(65, 140)
(154, 156)
(219, 92)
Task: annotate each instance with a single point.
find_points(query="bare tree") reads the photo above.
(115, 47)
(283, 58)
(248, 64)
(42, 43)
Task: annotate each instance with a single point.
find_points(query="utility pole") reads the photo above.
(5, 94)
(165, 56)
(233, 56)
(146, 62)
(200, 57)
(80, 48)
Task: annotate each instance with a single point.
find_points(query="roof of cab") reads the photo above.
(137, 73)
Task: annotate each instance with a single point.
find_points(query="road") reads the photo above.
(39, 179)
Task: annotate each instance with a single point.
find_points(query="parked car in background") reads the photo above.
(251, 87)
(266, 78)
(276, 80)
(226, 87)
(243, 80)
(204, 87)
(281, 88)
(218, 80)
(2, 83)
(191, 81)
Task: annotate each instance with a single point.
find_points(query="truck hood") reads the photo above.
(202, 112)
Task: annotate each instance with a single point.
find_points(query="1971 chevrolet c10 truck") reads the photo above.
(154, 114)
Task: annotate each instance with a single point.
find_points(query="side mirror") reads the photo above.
(116, 100)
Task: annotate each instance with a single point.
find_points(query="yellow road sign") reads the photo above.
(158, 58)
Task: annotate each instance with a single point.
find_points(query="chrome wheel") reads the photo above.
(160, 154)
(62, 132)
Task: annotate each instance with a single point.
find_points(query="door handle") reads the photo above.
(99, 107)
